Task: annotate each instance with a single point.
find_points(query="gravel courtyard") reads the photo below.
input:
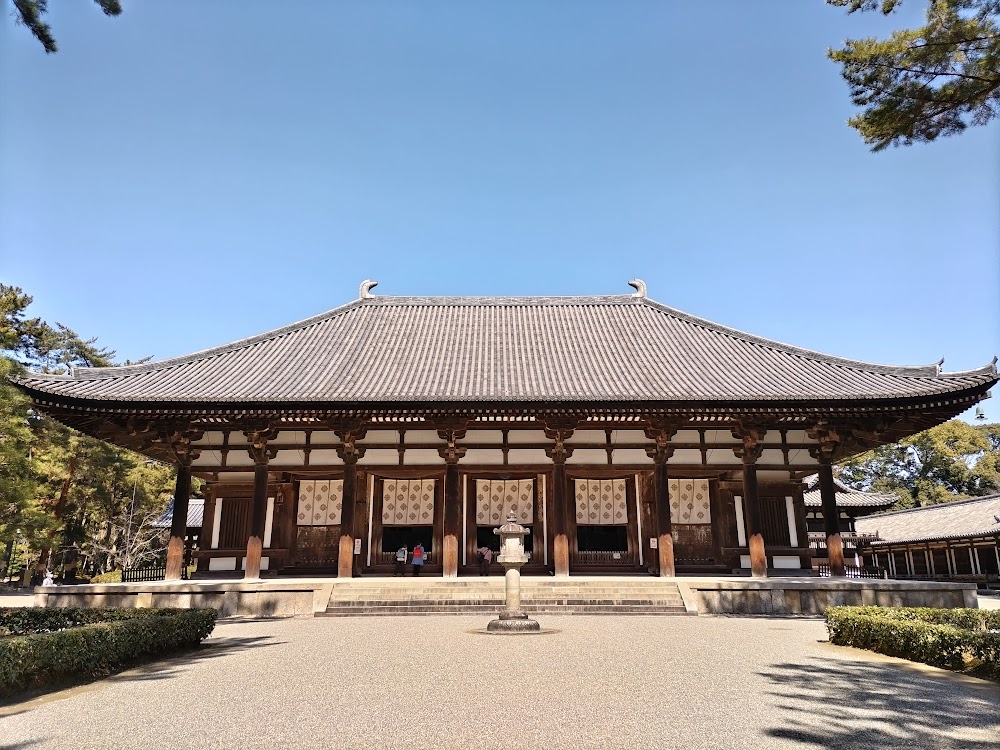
(429, 682)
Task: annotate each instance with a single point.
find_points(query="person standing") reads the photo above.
(485, 559)
(418, 558)
(401, 554)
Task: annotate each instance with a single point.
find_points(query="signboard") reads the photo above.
(652, 542)
(357, 546)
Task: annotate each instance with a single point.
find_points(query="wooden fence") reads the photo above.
(141, 575)
(853, 571)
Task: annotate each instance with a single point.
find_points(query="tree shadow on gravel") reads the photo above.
(175, 664)
(854, 704)
(155, 668)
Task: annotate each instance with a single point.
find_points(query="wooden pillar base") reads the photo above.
(835, 554)
(175, 559)
(758, 557)
(560, 554)
(449, 557)
(254, 546)
(665, 546)
(345, 557)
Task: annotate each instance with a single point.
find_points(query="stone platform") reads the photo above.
(612, 595)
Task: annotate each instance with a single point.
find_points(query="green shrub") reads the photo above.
(29, 620)
(941, 637)
(105, 643)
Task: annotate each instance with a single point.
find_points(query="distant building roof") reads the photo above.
(978, 517)
(846, 496)
(196, 514)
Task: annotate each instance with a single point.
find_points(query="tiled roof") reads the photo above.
(422, 350)
(846, 496)
(977, 517)
(196, 514)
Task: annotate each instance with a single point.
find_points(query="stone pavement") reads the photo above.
(600, 682)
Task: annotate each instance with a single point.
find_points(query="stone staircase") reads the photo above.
(541, 596)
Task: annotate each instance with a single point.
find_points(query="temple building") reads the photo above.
(852, 504)
(948, 541)
(628, 436)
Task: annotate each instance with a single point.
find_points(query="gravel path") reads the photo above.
(601, 682)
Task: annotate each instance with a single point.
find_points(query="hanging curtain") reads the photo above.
(601, 502)
(495, 498)
(408, 502)
(690, 501)
(320, 502)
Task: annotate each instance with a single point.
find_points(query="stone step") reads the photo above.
(382, 610)
(472, 602)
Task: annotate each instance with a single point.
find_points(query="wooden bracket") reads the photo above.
(751, 434)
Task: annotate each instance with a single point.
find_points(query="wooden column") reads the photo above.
(451, 431)
(349, 452)
(261, 454)
(828, 439)
(178, 524)
(179, 440)
(831, 521)
(752, 436)
(560, 431)
(661, 431)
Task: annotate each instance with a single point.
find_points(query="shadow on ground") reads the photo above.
(163, 668)
(852, 704)
(174, 665)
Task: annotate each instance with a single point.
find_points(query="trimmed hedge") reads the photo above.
(940, 637)
(92, 643)
(30, 620)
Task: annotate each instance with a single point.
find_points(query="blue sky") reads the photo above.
(194, 172)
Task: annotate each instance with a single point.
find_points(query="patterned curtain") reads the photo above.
(689, 501)
(408, 502)
(495, 498)
(320, 502)
(601, 502)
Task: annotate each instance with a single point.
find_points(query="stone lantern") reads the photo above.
(512, 557)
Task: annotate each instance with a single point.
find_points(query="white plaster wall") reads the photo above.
(529, 457)
(421, 457)
(632, 456)
(325, 458)
(211, 438)
(629, 436)
(515, 437)
(588, 456)
(289, 437)
(381, 437)
(380, 456)
(684, 456)
(587, 436)
(422, 436)
(482, 456)
(770, 456)
(483, 436)
(288, 458)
